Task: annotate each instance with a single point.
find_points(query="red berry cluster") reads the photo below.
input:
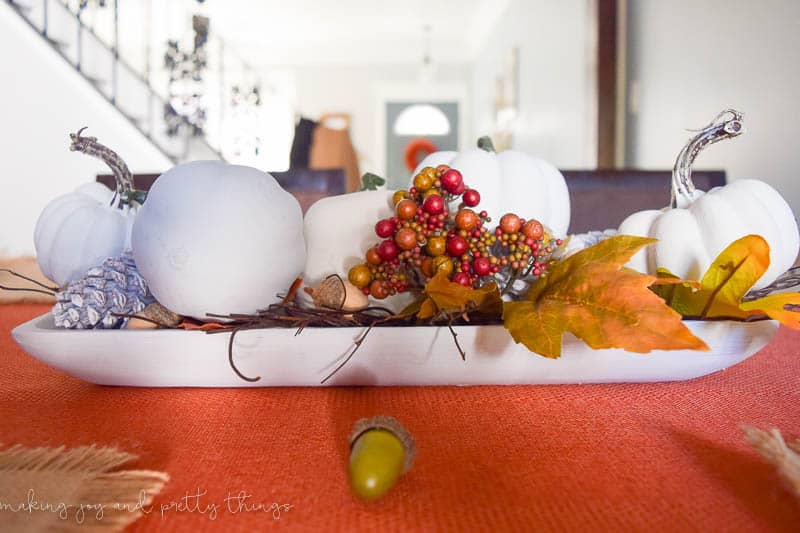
(425, 238)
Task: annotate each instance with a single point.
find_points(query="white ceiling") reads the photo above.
(292, 32)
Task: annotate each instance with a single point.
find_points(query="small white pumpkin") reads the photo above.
(218, 238)
(339, 230)
(79, 230)
(510, 182)
(701, 225)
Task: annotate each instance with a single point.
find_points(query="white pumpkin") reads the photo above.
(339, 230)
(701, 225)
(510, 182)
(79, 230)
(218, 238)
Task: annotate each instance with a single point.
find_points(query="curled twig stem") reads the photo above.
(234, 331)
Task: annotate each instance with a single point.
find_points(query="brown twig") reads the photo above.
(754, 318)
(455, 340)
(292, 315)
(52, 290)
(356, 344)
(20, 289)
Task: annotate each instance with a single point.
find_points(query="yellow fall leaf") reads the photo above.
(445, 296)
(774, 306)
(732, 274)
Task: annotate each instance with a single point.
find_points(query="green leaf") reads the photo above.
(371, 182)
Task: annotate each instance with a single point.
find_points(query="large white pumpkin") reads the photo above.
(701, 225)
(218, 238)
(510, 182)
(80, 229)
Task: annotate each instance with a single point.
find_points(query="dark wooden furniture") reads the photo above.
(601, 199)
(607, 57)
(307, 185)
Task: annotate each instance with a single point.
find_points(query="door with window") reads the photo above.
(414, 129)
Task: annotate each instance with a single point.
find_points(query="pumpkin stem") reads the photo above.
(371, 182)
(485, 143)
(122, 176)
(726, 125)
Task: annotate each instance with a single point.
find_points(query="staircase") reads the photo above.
(97, 59)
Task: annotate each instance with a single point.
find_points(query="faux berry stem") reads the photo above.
(122, 176)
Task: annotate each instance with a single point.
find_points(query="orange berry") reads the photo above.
(533, 229)
(510, 223)
(427, 266)
(436, 246)
(406, 209)
(406, 238)
(423, 182)
(360, 276)
(442, 263)
(378, 290)
(373, 257)
(466, 219)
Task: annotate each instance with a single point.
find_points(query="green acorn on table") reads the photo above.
(381, 451)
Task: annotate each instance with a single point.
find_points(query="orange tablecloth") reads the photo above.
(593, 457)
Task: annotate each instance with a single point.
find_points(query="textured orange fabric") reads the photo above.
(631, 457)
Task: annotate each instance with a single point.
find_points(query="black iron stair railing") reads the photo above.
(145, 125)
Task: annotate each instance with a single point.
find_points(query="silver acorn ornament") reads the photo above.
(106, 291)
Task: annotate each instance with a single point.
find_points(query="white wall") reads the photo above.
(690, 60)
(42, 100)
(557, 81)
(353, 89)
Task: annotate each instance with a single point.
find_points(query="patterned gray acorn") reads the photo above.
(91, 302)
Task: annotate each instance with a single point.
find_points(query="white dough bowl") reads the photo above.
(388, 356)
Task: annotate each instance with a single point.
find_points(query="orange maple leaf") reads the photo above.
(207, 326)
(592, 296)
